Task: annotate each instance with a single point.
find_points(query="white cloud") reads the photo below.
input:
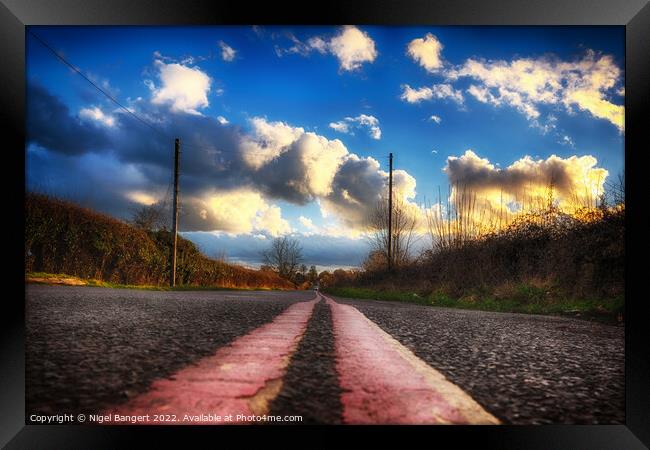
(352, 47)
(143, 198)
(437, 91)
(268, 141)
(270, 220)
(426, 51)
(435, 119)
(184, 88)
(242, 211)
(526, 83)
(318, 44)
(566, 140)
(227, 52)
(310, 160)
(222, 120)
(368, 121)
(341, 126)
(97, 115)
(307, 223)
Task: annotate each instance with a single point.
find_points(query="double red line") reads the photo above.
(382, 381)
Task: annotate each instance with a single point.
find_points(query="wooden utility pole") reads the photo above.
(177, 151)
(390, 211)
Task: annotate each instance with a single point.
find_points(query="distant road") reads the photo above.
(328, 360)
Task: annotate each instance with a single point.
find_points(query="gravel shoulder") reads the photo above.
(524, 369)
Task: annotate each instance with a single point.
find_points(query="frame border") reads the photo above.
(634, 14)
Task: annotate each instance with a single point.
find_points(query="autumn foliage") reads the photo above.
(61, 237)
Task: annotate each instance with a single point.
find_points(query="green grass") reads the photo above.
(56, 278)
(525, 299)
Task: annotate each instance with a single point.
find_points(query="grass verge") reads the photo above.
(527, 301)
(69, 280)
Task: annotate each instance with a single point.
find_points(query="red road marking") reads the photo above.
(239, 379)
(385, 383)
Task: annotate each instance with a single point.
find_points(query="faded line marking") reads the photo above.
(239, 379)
(385, 383)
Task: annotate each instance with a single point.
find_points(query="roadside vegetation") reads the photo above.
(64, 238)
(284, 256)
(545, 259)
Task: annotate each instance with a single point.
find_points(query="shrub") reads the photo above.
(61, 237)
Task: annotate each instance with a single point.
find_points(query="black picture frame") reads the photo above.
(633, 14)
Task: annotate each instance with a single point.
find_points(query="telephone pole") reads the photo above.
(177, 151)
(390, 211)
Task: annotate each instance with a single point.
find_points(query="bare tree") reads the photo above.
(312, 275)
(284, 256)
(403, 231)
(149, 217)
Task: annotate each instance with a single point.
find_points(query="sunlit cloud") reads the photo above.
(184, 88)
(426, 52)
(571, 182)
(586, 84)
(142, 198)
(227, 52)
(307, 223)
(363, 120)
(436, 91)
(237, 211)
(351, 46)
(97, 115)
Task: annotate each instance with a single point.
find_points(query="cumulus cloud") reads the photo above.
(592, 83)
(142, 198)
(304, 170)
(233, 176)
(437, 91)
(351, 46)
(227, 52)
(426, 52)
(183, 88)
(306, 223)
(435, 119)
(363, 120)
(267, 141)
(587, 84)
(222, 120)
(575, 181)
(97, 115)
(341, 126)
(236, 211)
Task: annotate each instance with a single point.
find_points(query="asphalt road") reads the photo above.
(92, 348)
(524, 369)
(88, 348)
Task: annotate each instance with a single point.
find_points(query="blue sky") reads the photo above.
(284, 94)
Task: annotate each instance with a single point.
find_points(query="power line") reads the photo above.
(132, 113)
(109, 96)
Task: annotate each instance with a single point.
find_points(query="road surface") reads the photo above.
(199, 356)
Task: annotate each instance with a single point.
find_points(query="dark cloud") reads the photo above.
(356, 188)
(51, 125)
(298, 166)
